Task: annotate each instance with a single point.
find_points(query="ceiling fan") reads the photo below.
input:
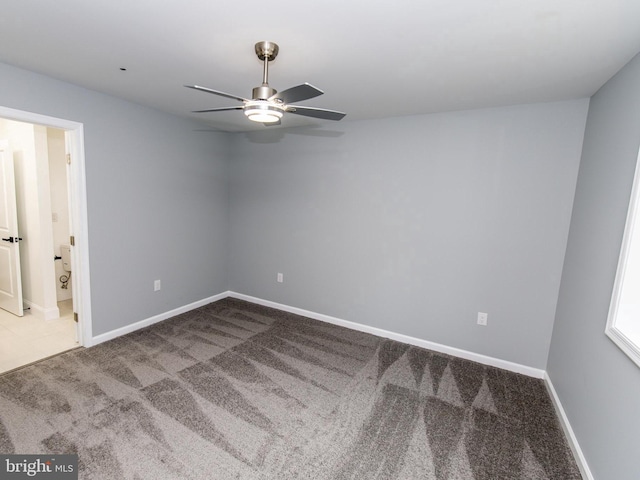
(267, 105)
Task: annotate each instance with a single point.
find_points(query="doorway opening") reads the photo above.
(51, 312)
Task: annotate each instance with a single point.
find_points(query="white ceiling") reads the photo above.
(372, 58)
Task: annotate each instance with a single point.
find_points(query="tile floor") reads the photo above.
(27, 339)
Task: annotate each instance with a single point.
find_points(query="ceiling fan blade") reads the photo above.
(316, 112)
(216, 92)
(220, 109)
(297, 93)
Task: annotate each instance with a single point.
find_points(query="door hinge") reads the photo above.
(68, 158)
(75, 317)
(72, 240)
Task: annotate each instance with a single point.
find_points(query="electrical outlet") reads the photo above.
(280, 278)
(482, 318)
(156, 285)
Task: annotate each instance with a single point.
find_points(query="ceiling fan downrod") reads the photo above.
(267, 52)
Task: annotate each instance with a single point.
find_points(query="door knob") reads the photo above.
(12, 239)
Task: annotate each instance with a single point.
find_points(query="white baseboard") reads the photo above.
(155, 319)
(437, 347)
(476, 357)
(41, 312)
(568, 431)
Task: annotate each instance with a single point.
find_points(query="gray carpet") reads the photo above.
(234, 390)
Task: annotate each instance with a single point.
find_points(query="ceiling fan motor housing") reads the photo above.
(263, 92)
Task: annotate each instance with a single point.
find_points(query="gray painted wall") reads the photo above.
(598, 385)
(414, 224)
(157, 199)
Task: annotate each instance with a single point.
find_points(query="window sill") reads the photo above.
(628, 345)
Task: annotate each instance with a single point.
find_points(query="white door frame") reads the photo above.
(74, 139)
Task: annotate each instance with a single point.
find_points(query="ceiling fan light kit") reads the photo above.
(266, 105)
(262, 111)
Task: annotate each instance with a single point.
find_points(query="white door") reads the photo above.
(10, 279)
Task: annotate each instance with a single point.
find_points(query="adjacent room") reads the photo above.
(368, 241)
